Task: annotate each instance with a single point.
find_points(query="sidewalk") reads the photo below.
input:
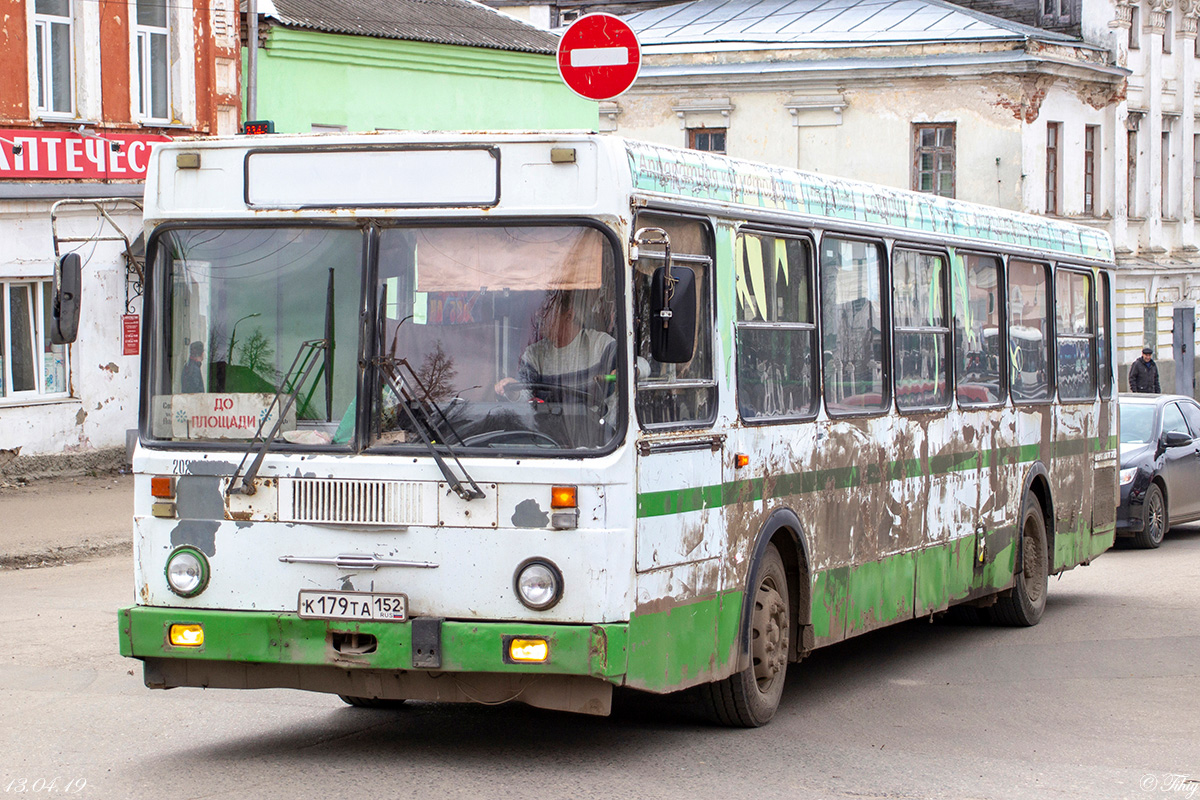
(56, 520)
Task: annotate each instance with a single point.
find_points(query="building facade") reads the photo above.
(90, 86)
(409, 65)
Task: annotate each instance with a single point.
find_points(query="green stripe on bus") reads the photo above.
(680, 501)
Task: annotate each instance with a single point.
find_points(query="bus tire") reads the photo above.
(371, 702)
(1155, 519)
(1023, 606)
(750, 697)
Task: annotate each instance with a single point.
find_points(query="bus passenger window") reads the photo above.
(852, 326)
(977, 325)
(922, 331)
(1104, 340)
(1028, 322)
(1076, 337)
(671, 395)
(776, 335)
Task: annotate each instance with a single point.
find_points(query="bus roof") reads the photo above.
(698, 175)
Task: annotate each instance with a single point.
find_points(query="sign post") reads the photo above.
(599, 56)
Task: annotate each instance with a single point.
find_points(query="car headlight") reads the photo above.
(1127, 475)
(187, 572)
(538, 584)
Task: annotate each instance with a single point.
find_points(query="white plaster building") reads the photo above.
(89, 88)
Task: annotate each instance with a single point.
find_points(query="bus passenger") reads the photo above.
(193, 373)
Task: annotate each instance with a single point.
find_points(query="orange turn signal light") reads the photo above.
(562, 497)
(741, 460)
(162, 486)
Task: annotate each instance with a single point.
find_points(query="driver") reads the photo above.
(569, 361)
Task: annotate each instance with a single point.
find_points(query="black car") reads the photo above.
(1160, 465)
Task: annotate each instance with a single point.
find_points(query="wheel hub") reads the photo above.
(769, 646)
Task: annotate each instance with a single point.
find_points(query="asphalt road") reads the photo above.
(1099, 701)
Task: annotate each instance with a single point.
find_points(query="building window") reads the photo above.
(1196, 175)
(1131, 154)
(30, 366)
(52, 36)
(153, 83)
(1166, 174)
(933, 159)
(711, 140)
(1053, 134)
(1135, 28)
(1091, 140)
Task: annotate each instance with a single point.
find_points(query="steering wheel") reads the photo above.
(583, 395)
(491, 438)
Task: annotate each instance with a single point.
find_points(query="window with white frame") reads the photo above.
(153, 71)
(52, 43)
(30, 366)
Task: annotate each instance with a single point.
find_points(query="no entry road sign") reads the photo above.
(599, 56)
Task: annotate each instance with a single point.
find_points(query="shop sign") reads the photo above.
(129, 334)
(67, 155)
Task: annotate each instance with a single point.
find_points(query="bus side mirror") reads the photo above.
(64, 325)
(673, 314)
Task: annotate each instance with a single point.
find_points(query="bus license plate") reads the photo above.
(353, 605)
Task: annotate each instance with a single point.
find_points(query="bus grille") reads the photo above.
(349, 502)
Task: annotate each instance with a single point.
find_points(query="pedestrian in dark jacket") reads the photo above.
(1143, 375)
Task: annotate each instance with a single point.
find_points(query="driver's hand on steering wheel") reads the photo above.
(503, 384)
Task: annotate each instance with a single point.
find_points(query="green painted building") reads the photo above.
(410, 65)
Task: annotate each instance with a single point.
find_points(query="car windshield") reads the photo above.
(497, 337)
(1137, 423)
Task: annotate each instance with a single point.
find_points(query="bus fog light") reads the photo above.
(187, 572)
(529, 650)
(187, 635)
(538, 584)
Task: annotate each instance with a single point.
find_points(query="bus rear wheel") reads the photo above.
(750, 697)
(1023, 606)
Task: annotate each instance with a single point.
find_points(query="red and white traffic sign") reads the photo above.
(599, 56)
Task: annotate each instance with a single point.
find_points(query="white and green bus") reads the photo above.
(479, 418)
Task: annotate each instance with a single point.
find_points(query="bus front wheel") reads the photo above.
(1023, 606)
(749, 698)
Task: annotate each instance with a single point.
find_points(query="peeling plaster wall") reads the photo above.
(103, 402)
(872, 138)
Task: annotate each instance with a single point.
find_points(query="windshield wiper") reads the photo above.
(302, 366)
(427, 429)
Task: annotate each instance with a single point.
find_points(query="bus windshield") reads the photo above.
(508, 333)
(486, 338)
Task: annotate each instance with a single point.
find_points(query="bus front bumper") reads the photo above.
(444, 661)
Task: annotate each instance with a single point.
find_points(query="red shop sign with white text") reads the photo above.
(66, 155)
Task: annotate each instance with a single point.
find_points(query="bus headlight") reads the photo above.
(538, 584)
(187, 572)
